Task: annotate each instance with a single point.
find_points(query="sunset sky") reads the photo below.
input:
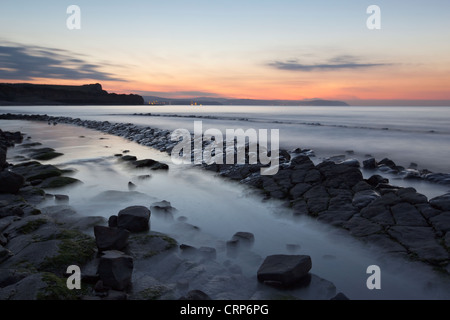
(257, 49)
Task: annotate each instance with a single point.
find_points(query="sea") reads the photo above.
(219, 208)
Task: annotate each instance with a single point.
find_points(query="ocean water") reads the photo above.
(404, 134)
(221, 208)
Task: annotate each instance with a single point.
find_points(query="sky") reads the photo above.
(253, 49)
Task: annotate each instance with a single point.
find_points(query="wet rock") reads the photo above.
(441, 222)
(245, 239)
(284, 269)
(299, 190)
(363, 198)
(10, 182)
(111, 238)
(195, 295)
(421, 241)
(361, 227)
(351, 163)
(115, 270)
(362, 186)
(447, 240)
(61, 198)
(410, 195)
(134, 219)
(335, 217)
(340, 296)
(188, 250)
(4, 254)
(379, 214)
(441, 202)
(387, 162)
(406, 214)
(112, 221)
(376, 179)
(370, 164)
(58, 182)
(427, 210)
(384, 242)
(129, 158)
(339, 175)
(163, 208)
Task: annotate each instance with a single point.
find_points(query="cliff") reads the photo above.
(91, 94)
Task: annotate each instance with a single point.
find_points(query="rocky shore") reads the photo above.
(122, 257)
(400, 220)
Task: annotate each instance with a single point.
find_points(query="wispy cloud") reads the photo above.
(335, 63)
(24, 62)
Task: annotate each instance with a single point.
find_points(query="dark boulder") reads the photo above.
(284, 269)
(110, 238)
(115, 270)
(376, 179)
(370, 164)
(134, 219)
(10, 182)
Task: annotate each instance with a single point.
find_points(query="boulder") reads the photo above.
(246, 239)
(284, 269)
(134, 219)
(163, 208)
(2, 158)
(376, 179)
(110, 238)
(115, 270)
(10, 182)
(112, 221)
(370, 164)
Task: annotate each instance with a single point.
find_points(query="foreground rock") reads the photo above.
(286, 270)
(134, 219)
(111, 238)
(115, 270)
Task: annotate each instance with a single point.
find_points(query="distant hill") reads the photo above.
(240, 102)
(41, 94)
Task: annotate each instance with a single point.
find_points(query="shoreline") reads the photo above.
(337, 195)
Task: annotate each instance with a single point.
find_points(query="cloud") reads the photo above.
(335, 63)
(22, 62)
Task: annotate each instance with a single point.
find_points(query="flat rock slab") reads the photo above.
(361, 227)
(421, 241)
(406, 214)
(441, 202)
(284, 269)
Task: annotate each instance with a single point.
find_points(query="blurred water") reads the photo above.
(220, 209)
(404, 134)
